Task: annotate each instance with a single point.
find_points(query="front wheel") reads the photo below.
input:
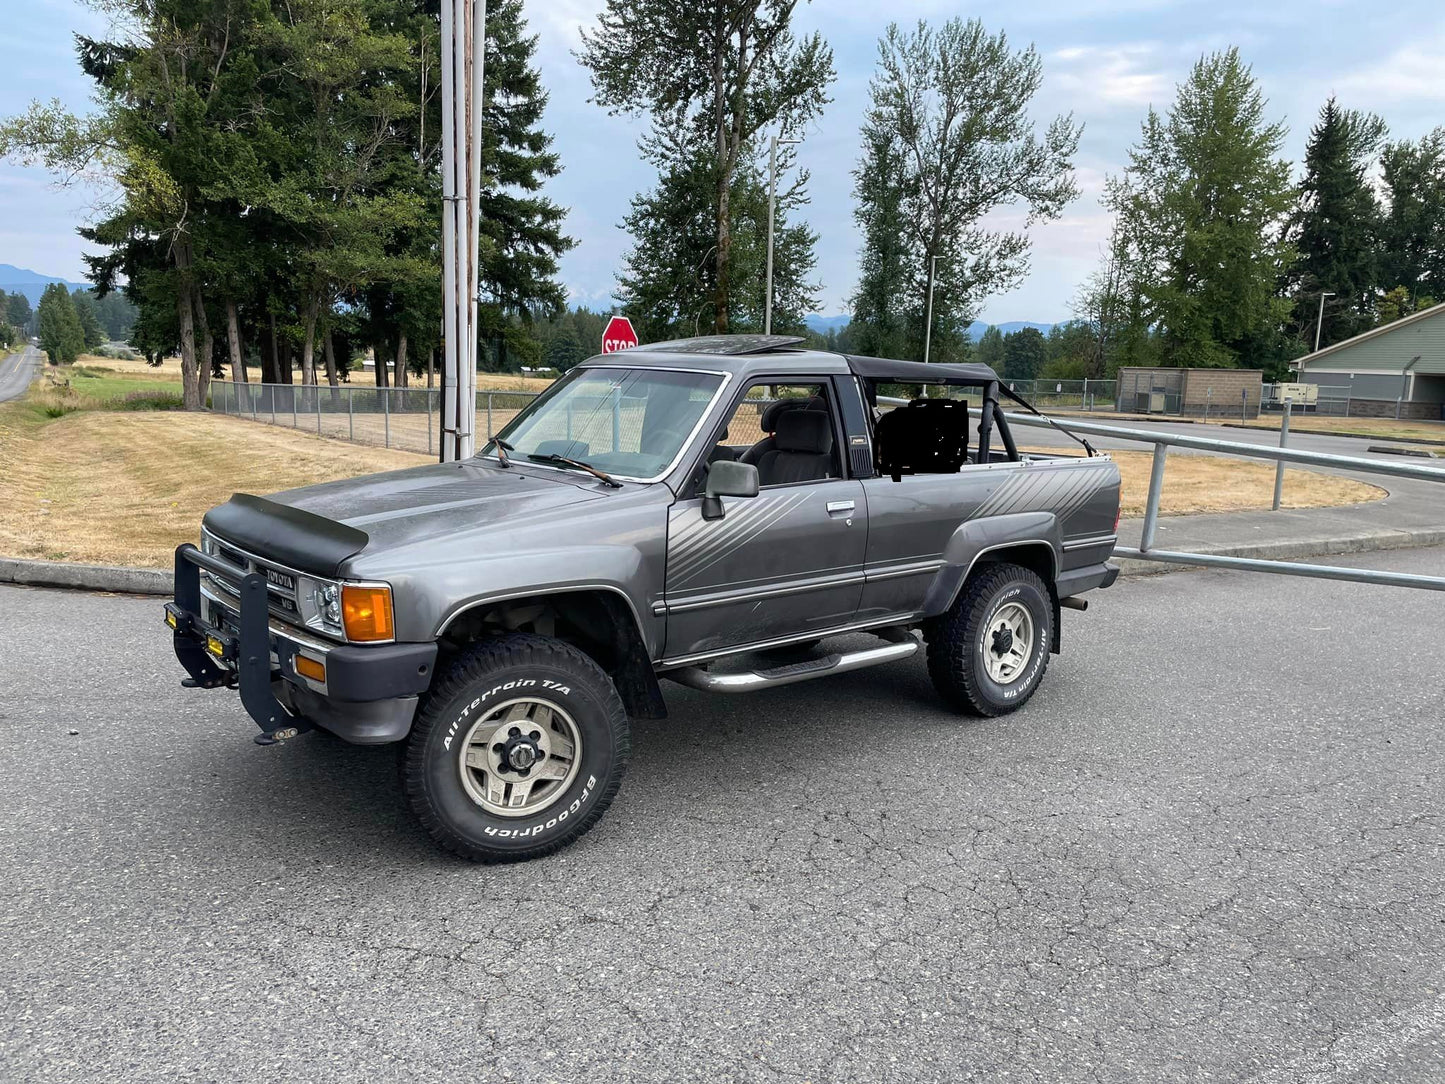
(988, 653)
(519, 749)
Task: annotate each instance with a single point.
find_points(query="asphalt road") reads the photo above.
(1209, 850)
(17, 371)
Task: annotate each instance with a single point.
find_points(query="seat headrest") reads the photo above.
(805, 431)
(768, 423)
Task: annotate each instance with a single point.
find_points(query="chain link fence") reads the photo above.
(403, 418)
(1088, 395)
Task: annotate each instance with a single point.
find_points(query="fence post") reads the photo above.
(386, 411)
(318, 409)
(293, 406)
(1208, 398)
(1283, 440)
(1151, 504)
(1244, 404)
(428, 422)
(1397, 408)
(350, 413)
(491, 430)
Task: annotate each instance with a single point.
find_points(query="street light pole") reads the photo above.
(928, 318)
(772, 202)
(463, 31)
(1320, 323)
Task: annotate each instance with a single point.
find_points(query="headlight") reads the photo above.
(328, 599)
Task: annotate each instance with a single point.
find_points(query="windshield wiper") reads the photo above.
(502, 449)
(553, 457)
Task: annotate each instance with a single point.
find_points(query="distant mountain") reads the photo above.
(824, 324)
(978, 327)
(20, 280)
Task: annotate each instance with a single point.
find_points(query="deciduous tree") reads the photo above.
(949, 131)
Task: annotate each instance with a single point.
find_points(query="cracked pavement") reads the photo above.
(1210, 849)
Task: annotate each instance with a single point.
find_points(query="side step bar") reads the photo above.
(698, 678)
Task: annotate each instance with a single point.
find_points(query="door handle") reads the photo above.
(837, 508)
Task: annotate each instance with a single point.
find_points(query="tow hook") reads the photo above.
(277, 736)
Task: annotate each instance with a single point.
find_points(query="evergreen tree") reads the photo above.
(18, 310)
(990, 349)
(522, 236)
(1024, 354)
(564, 349)
(1200, 222)
(93, 333)
(61, 336)
(714, 75)
(667, 286)
(1336, 226)
(1413, 234)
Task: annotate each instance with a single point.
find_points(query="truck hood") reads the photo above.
(401, 507)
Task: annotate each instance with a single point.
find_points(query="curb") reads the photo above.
(1294, 428)
(1364, 542)
(126, 581)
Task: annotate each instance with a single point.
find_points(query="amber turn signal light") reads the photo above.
(310, 668)
(366, 612)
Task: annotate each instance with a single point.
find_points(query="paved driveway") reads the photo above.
(1210, 849)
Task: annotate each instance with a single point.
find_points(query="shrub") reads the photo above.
(58, 410)
(148, 400)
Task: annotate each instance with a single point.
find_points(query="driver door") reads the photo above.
(785, 563)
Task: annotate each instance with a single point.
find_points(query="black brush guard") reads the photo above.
(248, 648)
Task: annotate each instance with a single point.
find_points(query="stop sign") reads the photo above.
(618, 336)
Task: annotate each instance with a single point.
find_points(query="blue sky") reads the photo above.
(1104, 61)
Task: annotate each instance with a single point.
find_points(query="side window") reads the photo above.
(786, 431)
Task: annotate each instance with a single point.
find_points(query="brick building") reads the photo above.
(1215, 392)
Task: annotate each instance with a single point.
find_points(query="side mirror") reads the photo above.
(726, 478)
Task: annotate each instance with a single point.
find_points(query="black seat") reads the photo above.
(768, 423)
(802, 451)
(928, 436)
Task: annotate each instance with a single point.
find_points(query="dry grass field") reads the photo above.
(1387, 428)
(126, 488)
(1195, 484)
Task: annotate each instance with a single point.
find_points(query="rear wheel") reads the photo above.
(519, 750)
(988, 653)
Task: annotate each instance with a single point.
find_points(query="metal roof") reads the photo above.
(1407, 354)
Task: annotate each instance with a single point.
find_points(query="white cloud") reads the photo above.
(1412, 75)
(1115, 75)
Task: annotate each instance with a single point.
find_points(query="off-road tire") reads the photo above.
(958, 639)
(538, 668)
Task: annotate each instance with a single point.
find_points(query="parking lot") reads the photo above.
(1209, 849)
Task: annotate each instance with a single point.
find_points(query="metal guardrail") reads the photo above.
(1162, 442)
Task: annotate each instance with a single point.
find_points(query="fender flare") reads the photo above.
(975, 538)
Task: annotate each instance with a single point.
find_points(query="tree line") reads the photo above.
(278, 167)
(278, 162)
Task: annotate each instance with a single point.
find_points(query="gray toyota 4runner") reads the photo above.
(706, 511)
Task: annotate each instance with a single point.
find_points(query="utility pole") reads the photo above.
(772, 201)
(464, 24)
(928, 319)
(1320, 323)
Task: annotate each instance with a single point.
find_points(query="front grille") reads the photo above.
(281, 585)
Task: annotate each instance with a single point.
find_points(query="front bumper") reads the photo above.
(366, 694)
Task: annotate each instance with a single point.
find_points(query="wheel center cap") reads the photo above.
(1003, 640)
(522, 755)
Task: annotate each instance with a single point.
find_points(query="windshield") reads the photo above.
(629, 422)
